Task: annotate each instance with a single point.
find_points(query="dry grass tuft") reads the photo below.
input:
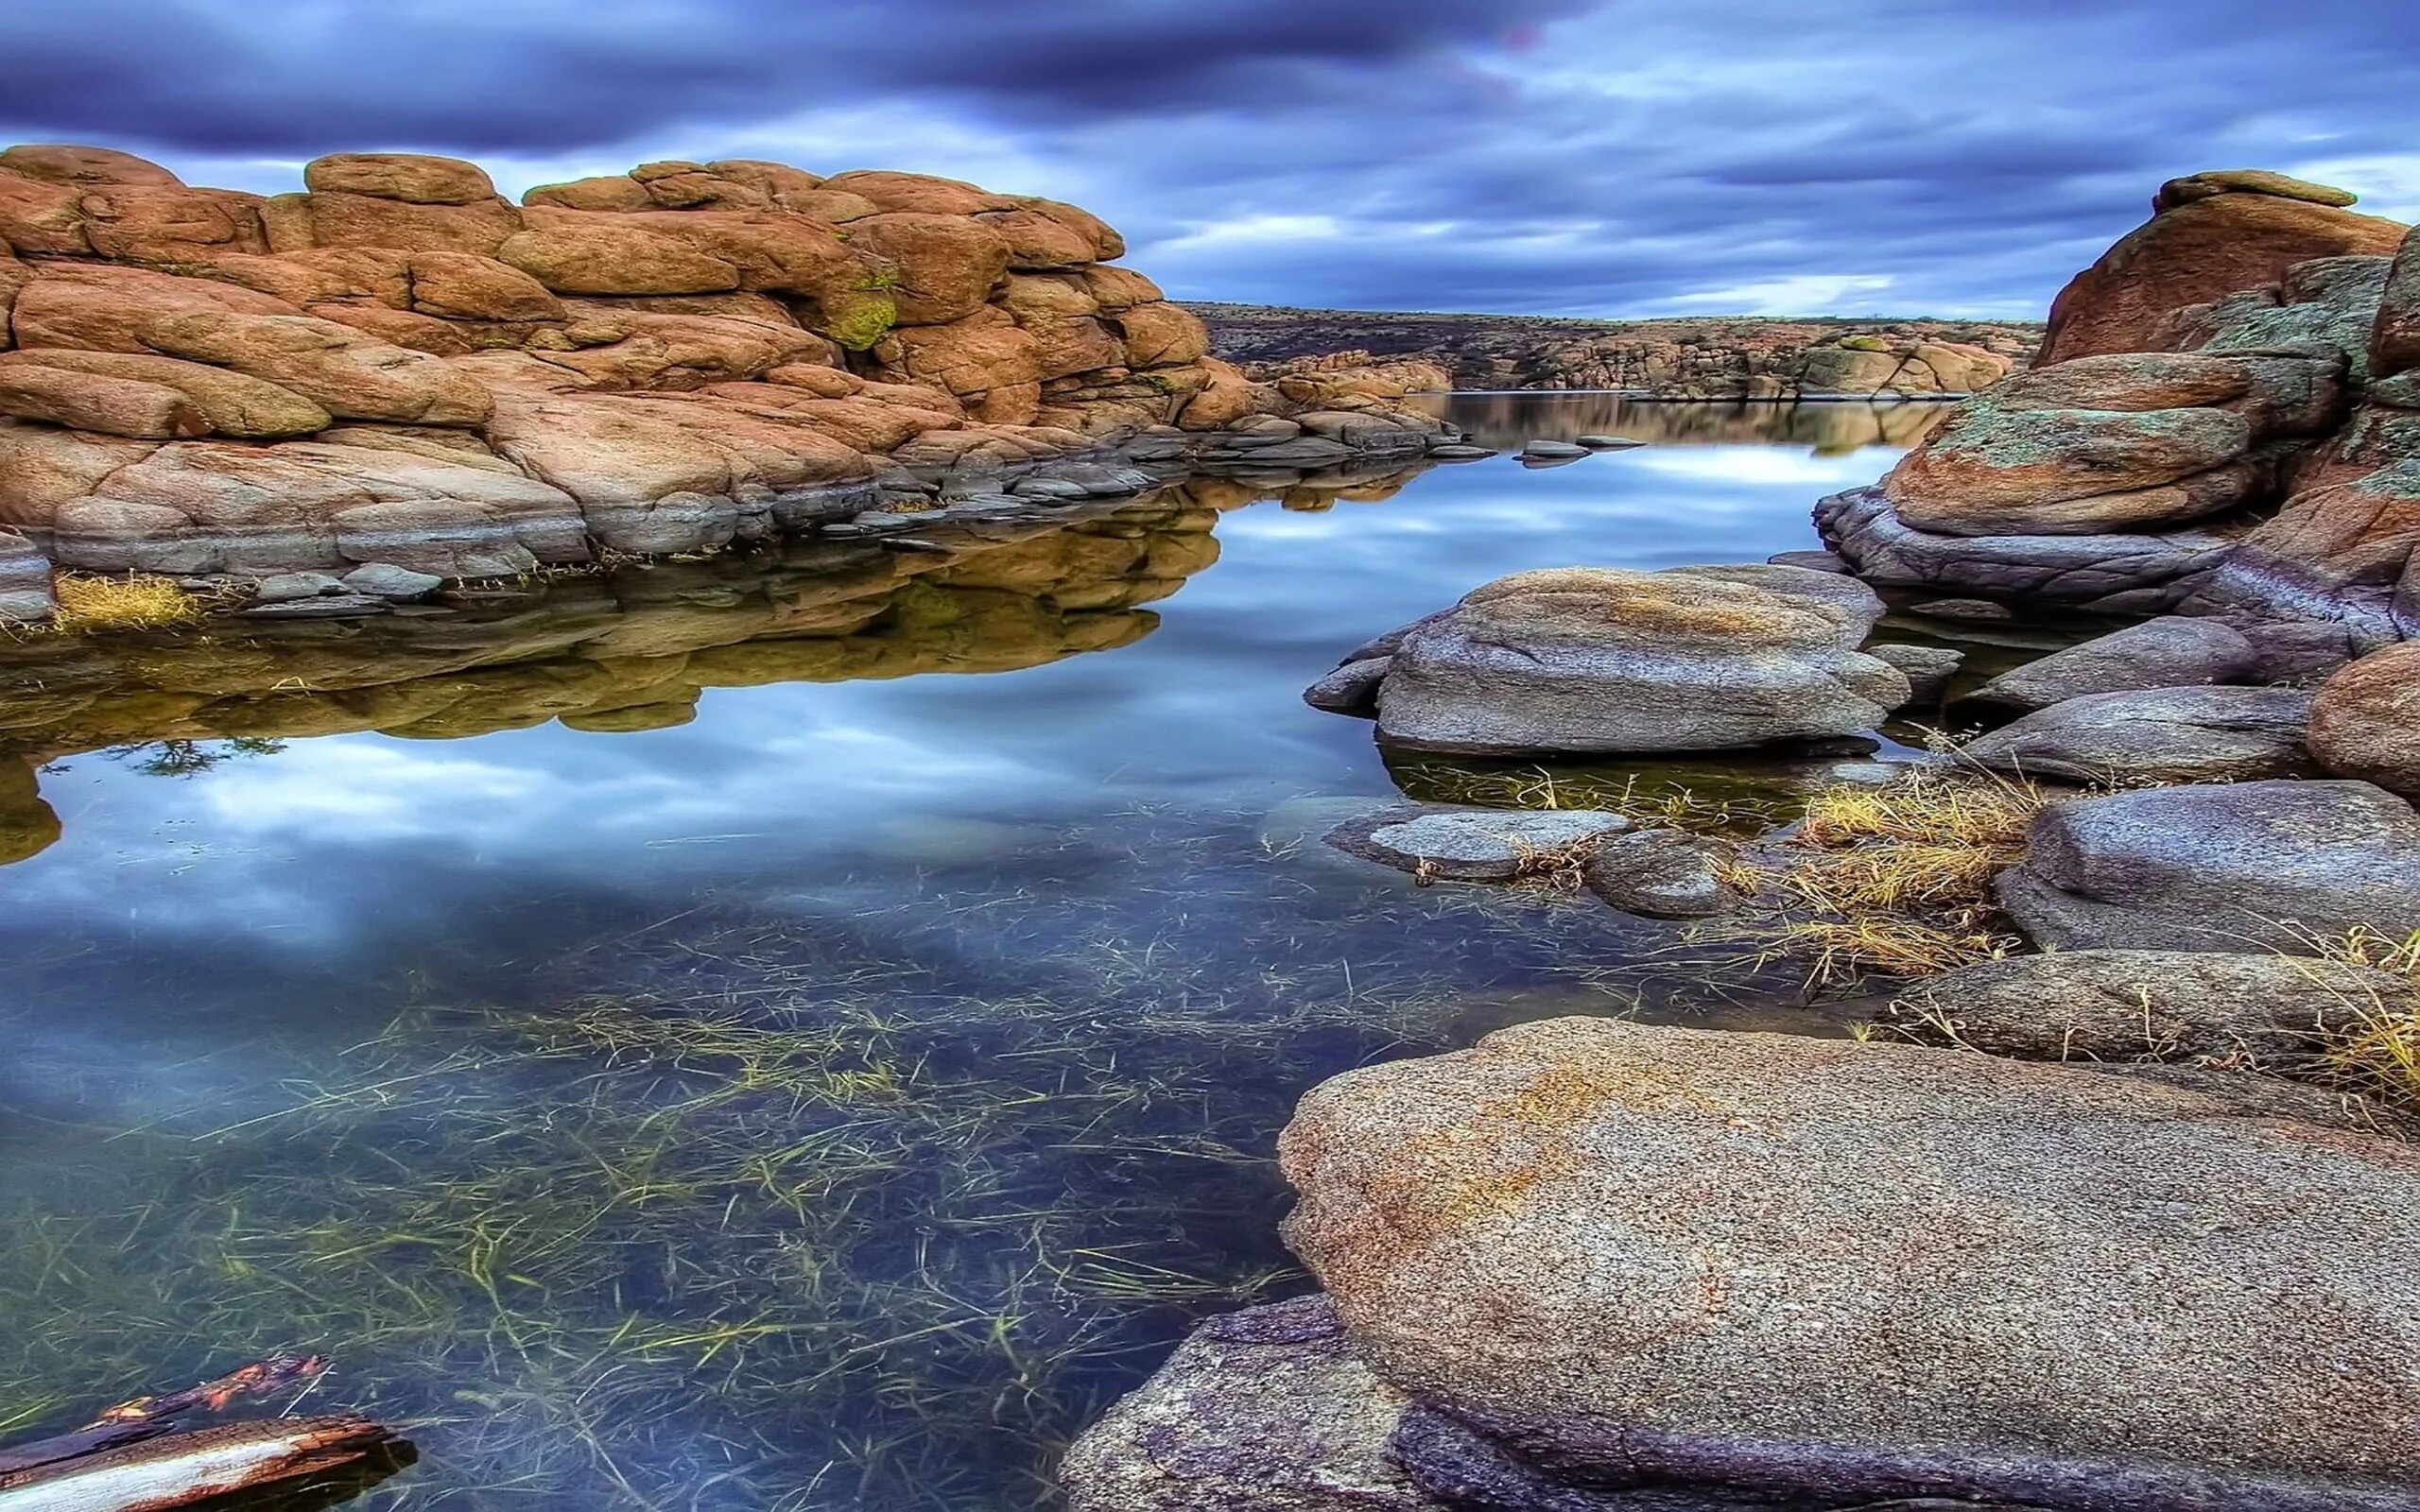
(2376, 1050)
(1898, 878)
(95, 605)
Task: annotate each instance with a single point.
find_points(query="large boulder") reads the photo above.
(1995, 471)
(2173, 652)
(2365, 722)
(2211, 235)
(1616, 1265)
(2251, 865)
(2155, 736)
(607, 256)
(1603, 660)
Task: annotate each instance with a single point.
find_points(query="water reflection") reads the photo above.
(681, 1057)
(1833, 428)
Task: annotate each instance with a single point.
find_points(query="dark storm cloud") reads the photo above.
(1584, 156)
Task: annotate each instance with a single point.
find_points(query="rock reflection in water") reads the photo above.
(1830, 428)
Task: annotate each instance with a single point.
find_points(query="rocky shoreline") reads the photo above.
(2120, 1223)
(398, 367)
(1721, 359)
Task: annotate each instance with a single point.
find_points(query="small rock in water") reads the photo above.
(1607, 443)
(1472, 845)
(1660, 873)
(319, 607)
(380, 580)
(1546, 451)
(284, 588)
(1457, 453)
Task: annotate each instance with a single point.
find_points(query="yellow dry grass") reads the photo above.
(1898, 878)
(89, 604)
(2377, 1049)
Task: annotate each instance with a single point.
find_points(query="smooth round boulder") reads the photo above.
(2280, 866)
(2365, 722)
(1603, 660)
(1781, 1271)
(1474, 845)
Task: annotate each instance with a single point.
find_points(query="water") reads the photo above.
(799, 1032)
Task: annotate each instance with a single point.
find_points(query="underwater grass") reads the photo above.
(743, 1206)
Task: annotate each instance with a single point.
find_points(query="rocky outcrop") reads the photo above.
(1715, 358)
(1605, 660)
(399, 365)
(1604, 1266)
(2277, 865)
(2211, 235)
(2224, 422)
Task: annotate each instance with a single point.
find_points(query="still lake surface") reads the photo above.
(787, 1035)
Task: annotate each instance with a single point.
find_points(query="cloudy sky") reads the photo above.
(1589, 157)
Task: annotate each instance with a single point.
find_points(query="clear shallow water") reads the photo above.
(829, 1073)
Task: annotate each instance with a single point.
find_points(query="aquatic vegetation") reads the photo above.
(92, 604)
(751, 1208)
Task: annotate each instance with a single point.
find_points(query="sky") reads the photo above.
(1577, 157)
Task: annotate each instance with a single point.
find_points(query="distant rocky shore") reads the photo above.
(1711, 358)
(398, 370)
(2105, 1203)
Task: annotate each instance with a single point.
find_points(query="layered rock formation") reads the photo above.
(1717, 358)
(2225, 421)
(399, 365)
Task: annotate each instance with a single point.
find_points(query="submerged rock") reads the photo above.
(2155, 736)
(1617, 1265)
(1476, 845)
(1606, 659)
(2252, 866)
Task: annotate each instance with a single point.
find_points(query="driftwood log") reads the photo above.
(130, 1458)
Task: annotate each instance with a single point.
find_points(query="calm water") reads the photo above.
(798, 1033)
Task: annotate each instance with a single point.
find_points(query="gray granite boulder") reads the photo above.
(2156, 735)
(25, 581)
(2240, 866)
(2174, 652)
(1266, 1410)
(1619, 1267)
(2253, 1012)
(1605, 660)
